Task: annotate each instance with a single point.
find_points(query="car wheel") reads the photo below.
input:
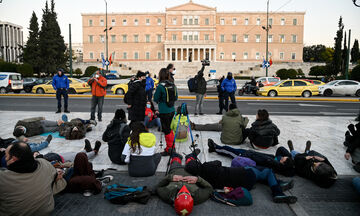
(119, 91)
(306, 94)
(272, 93)
(71, 91)
(17, 91)
(40, 91)
(357, 93)
(328, 92)
(27, 90)
(2, 90)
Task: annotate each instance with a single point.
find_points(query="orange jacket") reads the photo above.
(147, 111)
(98, 88)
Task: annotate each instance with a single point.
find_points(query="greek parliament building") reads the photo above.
(192, 32)
(11, 38)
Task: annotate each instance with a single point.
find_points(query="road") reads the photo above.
(297, 108)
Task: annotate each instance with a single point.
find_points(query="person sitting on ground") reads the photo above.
(220, 176)
(281, 162)
(116, 135)
(181, 189)
(182, 126)
(139, 152)
(35, 126)
(28, 185)
(232, 127)
(76, 128)
(152, 116)
(263, 132)
(313, 166)
(352, 142)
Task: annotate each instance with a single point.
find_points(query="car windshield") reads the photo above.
(332, 82)
(278, 83)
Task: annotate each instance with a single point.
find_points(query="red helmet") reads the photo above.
(184, 202)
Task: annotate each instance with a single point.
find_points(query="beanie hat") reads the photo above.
(140, 74)
(19, 131)
(119, 114)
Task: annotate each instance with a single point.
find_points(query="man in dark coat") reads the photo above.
(220, 96)
(352, 142)
(136, 98)
(200, 91)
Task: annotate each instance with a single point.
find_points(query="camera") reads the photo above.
(205, 62)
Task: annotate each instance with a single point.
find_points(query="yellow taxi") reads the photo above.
(122, 88)
(76, 86)
(290, 88)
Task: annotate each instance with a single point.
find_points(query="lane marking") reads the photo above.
(314, 105)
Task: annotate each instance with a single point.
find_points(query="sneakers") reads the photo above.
(290, 144)
(93, 122)
(308, 146)
(212, 145)
(64, 118)
(286, 185)
(66, 111)
(58, 111)
(105, 180)
(87, 146)
(49, 138)
(87, 193)
(285, 199)
(97, 146)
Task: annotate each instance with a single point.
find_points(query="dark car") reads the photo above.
(28, 85)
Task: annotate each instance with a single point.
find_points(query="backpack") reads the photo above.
(192, 84)
(170, 90)
(182, 131)
(237, 197)
(122, 194)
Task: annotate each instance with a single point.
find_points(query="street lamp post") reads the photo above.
(267, 28)
(106, 37)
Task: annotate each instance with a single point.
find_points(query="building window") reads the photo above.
(91, 55)
(124, 55)
(185, 21)
(245, 55)
(270, 39)
(113, 38)
(282, 38)
(196, 21)
(113, 22)
(206, 21)
(136, 55)
(147, 22)
(190, 21)
(159, 55)
(159, 21)
(124, 38)
(293, 56)
(222, 38)
(234, 21)
(136, 22)
(294, 21)
(102, 38)
(190, 37)
(196, 37)
(184, 37)
(102, 22)
(294, 38)
(246, 38)
(234, 38)
(246, 21)
(124, 22)
(174, 21)
(282, 21)
(136, 38)
(222, 21)
(174, 37)
(270, 21)
(147, 55)
(91, 39)
(282, 56)
(90, 23)
(258, 21)
(159, 38)
(147, 38)
(233, 55)
(206, 37)
(257, 56)
(258, 38)
(222, 56)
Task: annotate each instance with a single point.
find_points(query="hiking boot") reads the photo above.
(97, 146)
(194, 154)
(219, 113)
(66, 111)
(285, 199)
(49, 138)
(87, 146)
(290, 144)
(93, 122)
(308, 146)
(286, 185)
(168, 152)
(357, 167)
(58, 111)
(64, 118)
(212, 145)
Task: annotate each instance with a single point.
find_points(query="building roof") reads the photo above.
(191, 6)
(10, 24)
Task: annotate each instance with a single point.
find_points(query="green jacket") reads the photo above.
(174, 123)
(167, 189)
(160, 98)
(233, 124)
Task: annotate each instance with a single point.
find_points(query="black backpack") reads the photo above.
(192, 84)
(170, 91)
(122, 194)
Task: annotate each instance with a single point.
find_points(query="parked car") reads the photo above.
(29, 85)
(315, 82)
(290, 88)
(76, 86)
(340, 87)
(211, 85)
(85, 79)
(268, 81)
(120, 89)
(10, 82)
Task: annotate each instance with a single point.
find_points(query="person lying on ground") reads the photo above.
(180, 188)
(281, 162)
(152, 116)
(352, 142)
(220, 176)
(35, 126)
(232, 127)
(28, 185)
(182, 127)
(116, 135)
(140, 152)
(76, 128)
(313, 166)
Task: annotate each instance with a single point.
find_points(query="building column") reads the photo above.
(210, 54)
(187, 54)
(176, 54)
(182, 54)
(166, 54)
(215, 54)
(198, 56)
(204, 54)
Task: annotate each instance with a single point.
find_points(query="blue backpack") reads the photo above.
(122, 194)
(192, 84)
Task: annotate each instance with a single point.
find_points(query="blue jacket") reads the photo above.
(60, 82)
(228, 85)
(149, 84)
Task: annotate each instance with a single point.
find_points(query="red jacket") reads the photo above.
(98, 88)
(147, 111)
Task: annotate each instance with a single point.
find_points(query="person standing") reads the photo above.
(172, 71)
(98, 85)
(229, 88)
(200, 91)
(220, 95)
(136, 98)
(60, 84)
(149, 88)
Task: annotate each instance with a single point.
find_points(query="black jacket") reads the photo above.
(264, 133)
(66, 128)
(136, 97)
(115, 140)
(201, 85)
(219, 89)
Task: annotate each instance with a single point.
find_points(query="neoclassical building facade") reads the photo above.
(193, 32)
(11, 40)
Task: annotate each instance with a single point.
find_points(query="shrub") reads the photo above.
(355, 73)
(90, 70)
(78, 72)
(300, 73)
(318, 71)
(26, 70)
(7, 67)
(286, 74)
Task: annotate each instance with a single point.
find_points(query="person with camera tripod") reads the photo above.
(200, 90)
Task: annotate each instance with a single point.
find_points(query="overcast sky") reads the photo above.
(321, 16)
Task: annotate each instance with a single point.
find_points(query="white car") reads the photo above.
(340, 87)
(10, 81)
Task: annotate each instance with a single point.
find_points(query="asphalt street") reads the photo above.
(297, 108)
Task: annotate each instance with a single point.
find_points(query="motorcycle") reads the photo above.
(250, 89)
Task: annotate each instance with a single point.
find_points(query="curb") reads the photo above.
(208, 97)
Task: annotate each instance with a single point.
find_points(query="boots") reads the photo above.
(280, 197)
(169, 138)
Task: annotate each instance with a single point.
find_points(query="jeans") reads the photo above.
(199, 103)
(226, 97)
(70, 156)
(264, 174)
(38, 146)
(49, 126)
(294, 153)
(155, 122)
(99, 101)
(229, 151)
(149, 94)
(356, 183)
(64, 93)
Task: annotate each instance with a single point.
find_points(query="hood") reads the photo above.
(233, 112)
(260, 123)
(147, 140)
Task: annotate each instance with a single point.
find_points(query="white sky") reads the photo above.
(321, 16)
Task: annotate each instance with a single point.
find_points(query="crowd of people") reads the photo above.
(41, 176)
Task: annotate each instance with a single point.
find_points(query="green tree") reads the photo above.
(327, 55)
(286, 74)
(337, 60)
(317, 71)
(355, 73)
(78, 72)
(7, 66)
(26, 70)
(90, 70)
(31, 52)
(344, 55)
(355, 52)
(313, 53)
